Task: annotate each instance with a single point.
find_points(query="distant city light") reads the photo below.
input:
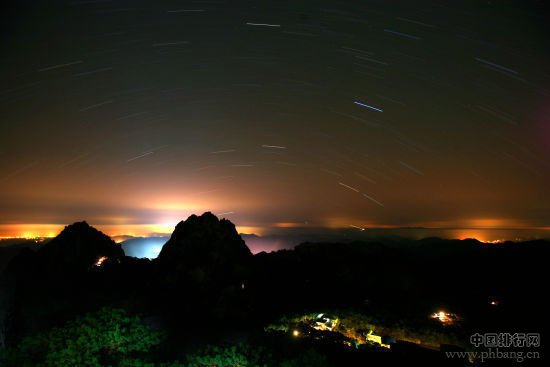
(493, 241)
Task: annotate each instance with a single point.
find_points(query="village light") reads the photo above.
(445, 318)
(100, 260)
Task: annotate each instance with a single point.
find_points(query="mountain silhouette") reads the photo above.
(207, 251)
(78, 247)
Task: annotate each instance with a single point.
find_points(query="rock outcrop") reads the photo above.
(206, 251)
(78, 247)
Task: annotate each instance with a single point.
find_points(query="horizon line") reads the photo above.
(260, 231)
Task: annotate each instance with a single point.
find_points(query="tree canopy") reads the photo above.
(104, 338)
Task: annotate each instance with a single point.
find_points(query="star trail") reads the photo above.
(133, 115)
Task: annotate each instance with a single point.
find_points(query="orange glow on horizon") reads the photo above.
(485, 235)
(494, 223)
(30, 231)
(470, 224)
(288, 225)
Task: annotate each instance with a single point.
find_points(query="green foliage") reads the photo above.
(240, 355)
(243, 355)
(102, 338)
(137, 362)
(284, 322)
(134, 362)
(310, 358)
(112, 338)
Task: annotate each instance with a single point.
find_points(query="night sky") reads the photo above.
(133, 115)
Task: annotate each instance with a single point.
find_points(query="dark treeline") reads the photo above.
(205, 278)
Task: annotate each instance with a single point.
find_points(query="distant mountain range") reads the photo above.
(206, 269)
(149, 247)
